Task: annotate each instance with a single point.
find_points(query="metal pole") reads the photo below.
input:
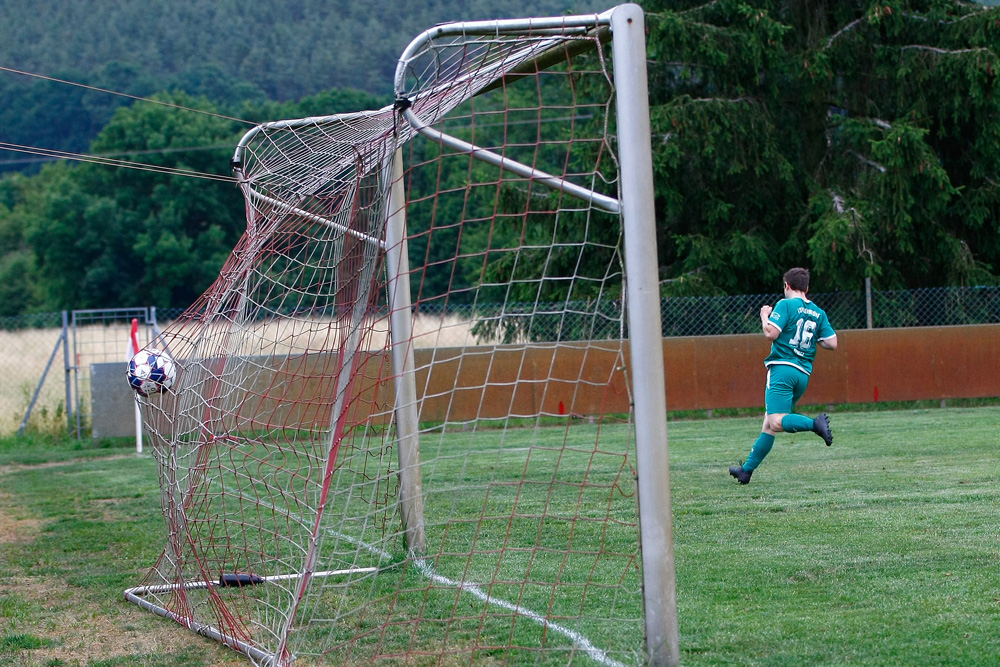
(868, 300)
(131, 350)
(411, 500)
(646, 338)
(67, 369)
(75, 358)
(38, 389)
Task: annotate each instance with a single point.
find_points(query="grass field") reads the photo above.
(881, 550)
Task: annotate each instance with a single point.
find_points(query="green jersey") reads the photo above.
(802, 324)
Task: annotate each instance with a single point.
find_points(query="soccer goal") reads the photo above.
(419, 418)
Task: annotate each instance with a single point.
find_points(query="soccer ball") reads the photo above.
(151, 371)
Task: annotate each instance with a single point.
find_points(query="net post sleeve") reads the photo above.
(649, 392)
(130, 350)
(401, 330)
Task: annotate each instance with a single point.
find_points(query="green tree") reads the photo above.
(170, 232)
(19, 288)
(37, 201)
(93, 235)
(859, 138)
(104, 236)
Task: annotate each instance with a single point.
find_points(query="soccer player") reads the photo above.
(795, 326)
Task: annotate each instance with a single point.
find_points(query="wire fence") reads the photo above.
(931, 307)
(727, 315)
(29, 344)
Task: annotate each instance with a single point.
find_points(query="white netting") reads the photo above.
(279, 448)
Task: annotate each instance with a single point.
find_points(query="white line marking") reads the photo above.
(425, 569)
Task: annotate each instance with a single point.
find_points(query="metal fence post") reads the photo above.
(868, 300)
(67, 369)
(38, 390)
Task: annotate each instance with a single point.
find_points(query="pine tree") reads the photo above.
(857, 138)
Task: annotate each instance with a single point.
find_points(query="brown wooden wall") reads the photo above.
(869, 365)
(713, 372)
(702, 373)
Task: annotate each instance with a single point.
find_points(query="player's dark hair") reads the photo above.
(797, 279)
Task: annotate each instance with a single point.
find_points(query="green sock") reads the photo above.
(760, 449)
(791, 423)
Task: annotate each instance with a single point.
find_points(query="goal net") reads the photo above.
(415, 415)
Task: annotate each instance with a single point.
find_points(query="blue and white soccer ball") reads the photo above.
(151, 371)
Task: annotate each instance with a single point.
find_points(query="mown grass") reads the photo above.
(881, 550)
(80, 522)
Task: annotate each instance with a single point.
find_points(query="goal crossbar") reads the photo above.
(548, 52)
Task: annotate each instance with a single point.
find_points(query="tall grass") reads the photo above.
(24, 354)
(880, 550)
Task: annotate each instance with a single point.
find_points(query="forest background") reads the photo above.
(861, 139)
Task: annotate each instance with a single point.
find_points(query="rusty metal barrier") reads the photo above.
(714, 372)
(702, 373)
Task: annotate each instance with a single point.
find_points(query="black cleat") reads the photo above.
(821, 427)
(742, 476)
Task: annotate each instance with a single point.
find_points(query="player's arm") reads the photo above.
(771, 330)
(827, 336)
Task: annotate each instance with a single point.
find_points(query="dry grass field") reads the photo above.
(25, 353)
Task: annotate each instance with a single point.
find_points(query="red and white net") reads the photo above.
(279, 445)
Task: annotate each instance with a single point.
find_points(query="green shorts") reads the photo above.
(785, 386)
